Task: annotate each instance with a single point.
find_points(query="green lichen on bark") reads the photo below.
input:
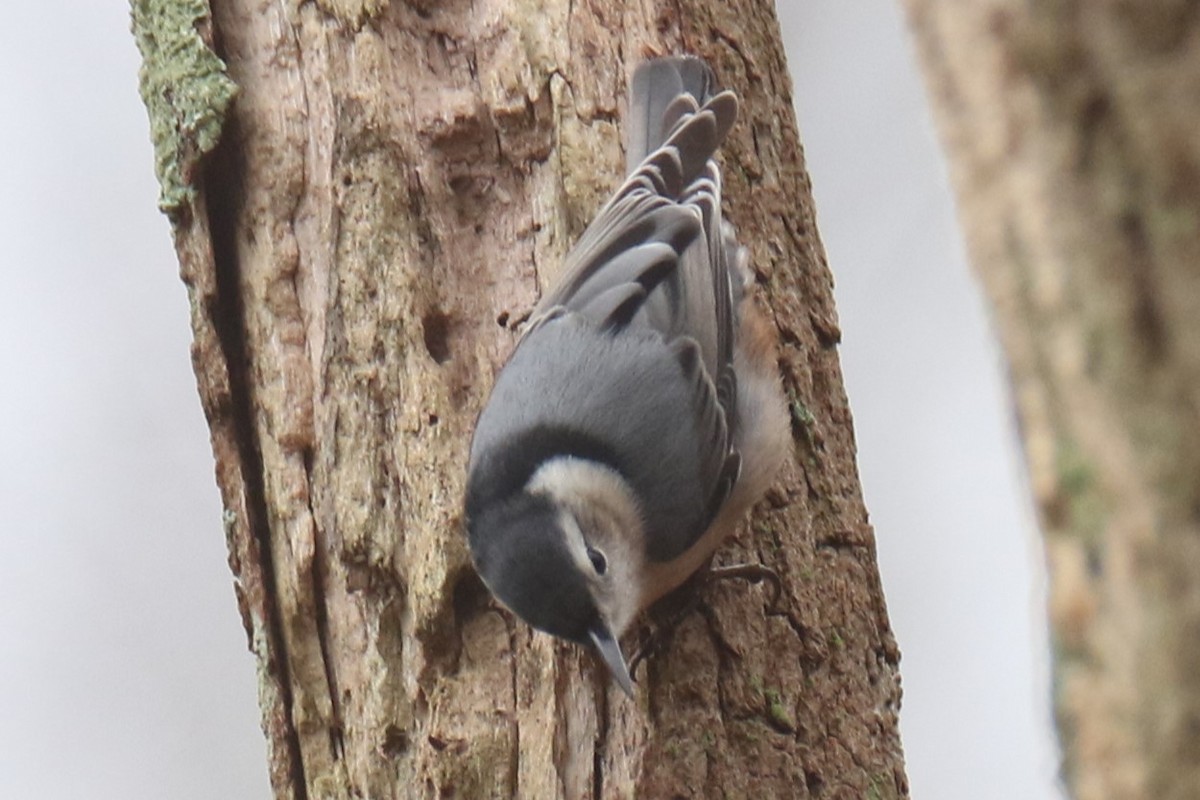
(186, 90)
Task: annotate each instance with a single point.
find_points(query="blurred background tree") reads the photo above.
(1071, 130)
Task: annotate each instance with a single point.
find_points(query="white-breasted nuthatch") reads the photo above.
(640, 415)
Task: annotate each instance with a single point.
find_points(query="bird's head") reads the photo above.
(563, 555)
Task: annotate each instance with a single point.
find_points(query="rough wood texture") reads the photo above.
(1072, 131)
(394, 183)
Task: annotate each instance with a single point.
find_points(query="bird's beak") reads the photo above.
(609, 650)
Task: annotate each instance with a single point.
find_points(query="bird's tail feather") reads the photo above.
(656, 85)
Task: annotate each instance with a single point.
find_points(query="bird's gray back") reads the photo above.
(628, 392)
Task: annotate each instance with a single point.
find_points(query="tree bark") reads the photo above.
(1071, 129)
(393, 184)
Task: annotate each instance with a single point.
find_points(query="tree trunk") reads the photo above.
(393, 184)
(1072, 131)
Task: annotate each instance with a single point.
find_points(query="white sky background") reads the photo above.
(123, 667)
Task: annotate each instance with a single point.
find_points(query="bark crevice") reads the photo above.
(222, 193)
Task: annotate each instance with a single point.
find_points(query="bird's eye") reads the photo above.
(599, 562)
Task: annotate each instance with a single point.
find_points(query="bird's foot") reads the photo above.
(669, 612)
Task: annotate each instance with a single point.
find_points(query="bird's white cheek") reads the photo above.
(623, 589)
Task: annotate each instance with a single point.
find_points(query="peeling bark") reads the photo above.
(1071, 129)
(394, 183)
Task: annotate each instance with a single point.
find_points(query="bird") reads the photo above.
(641, 413)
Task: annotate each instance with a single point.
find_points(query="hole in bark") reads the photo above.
(433, 419)
(436, 327)
(814, 783)
(502, 319)
(470, 596)
(395, 741)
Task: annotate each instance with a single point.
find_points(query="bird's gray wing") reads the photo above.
(654, 217)
(723, 464)
(654, 259)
